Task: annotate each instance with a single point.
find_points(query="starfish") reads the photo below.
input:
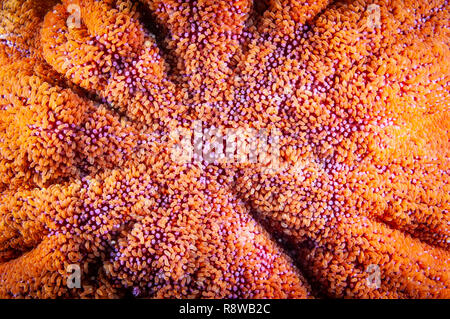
(98, 98)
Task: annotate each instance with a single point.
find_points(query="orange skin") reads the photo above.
(88, 177)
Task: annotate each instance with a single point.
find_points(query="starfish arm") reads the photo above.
(204, 35)
(128, 75)
(76, 134)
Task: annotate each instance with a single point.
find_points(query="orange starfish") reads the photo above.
(352, 202)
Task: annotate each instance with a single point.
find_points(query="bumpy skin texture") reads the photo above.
(88, 177)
